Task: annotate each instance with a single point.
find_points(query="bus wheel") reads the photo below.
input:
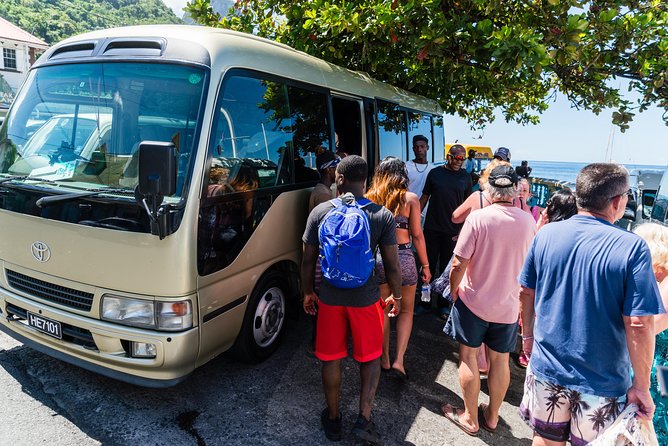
(264, 322)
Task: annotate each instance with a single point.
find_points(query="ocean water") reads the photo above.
(566, 171)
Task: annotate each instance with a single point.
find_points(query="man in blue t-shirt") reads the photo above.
(589, 287)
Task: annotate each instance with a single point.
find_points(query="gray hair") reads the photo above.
(502, 193)
(599, 183)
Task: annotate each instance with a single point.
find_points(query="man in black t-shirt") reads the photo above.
(354, 311)
(446, 188)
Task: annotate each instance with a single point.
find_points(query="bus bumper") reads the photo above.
(103, 347)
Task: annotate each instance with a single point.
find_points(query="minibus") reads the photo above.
(154, 185)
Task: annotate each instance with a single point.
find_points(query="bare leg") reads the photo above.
(540, 441)
(469, 380)
(385, 358)
(483, 362)
(331, 383)
(498, 382)
(404, 325)
(369, 376)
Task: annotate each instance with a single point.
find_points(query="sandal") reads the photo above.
(450, 412)
(482, 420)
(398, 374)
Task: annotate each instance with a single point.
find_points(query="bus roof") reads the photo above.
(256, 53)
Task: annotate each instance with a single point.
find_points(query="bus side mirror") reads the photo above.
(157, 168)
(157, 179)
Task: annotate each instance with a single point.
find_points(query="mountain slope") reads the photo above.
(54, 20)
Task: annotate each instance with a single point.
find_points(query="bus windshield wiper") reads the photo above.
(26, 178)
(46, 201)
(13, 178)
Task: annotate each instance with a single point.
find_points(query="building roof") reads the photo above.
(12, 32)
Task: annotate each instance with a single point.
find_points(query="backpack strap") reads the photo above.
(363, 202)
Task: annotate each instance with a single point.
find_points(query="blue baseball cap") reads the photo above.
(502, 153)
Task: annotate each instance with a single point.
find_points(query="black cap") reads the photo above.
(417, 138)
(503, 176)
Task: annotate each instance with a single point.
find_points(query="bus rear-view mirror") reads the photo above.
(157, 168)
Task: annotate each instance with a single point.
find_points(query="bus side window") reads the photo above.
(438, 148)
(420, 124)
(392, 135)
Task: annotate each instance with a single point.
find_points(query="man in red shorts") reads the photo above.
(356, 312)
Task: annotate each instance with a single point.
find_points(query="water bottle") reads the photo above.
(426, 293)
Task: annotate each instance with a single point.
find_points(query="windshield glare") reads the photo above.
(81, 124)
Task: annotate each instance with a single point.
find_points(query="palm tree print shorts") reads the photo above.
(558, 413)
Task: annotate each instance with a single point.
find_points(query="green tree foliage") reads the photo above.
(54, 20)
(475, 56)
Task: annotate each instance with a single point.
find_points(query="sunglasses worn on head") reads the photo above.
(456, 157)
(332, 163)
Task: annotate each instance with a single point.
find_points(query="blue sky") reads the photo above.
(564, 134)
(567, 134)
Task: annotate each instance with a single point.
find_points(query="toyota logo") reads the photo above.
(40, 251)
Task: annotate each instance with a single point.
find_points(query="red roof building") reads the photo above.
(18, 51)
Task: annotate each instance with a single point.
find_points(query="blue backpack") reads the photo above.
(346, 258)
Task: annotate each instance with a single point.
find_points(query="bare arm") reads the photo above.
(661, 320)
(390, 256)
(528, 316)
(640, 342)
(423, 201)
(464, 209)
(459, 265)
(309, 257)
(415, 228)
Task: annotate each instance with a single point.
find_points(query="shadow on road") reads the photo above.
(276, 402)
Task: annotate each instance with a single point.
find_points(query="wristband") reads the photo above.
(396, 298)
(527, 337)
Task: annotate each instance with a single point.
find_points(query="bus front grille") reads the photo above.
(48, 291)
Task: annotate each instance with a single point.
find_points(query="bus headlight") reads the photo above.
(165, 316)
(174, 316)
(133, 312)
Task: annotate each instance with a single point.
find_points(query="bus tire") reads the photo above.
(265, 319)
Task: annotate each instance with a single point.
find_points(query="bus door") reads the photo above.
(348, 127)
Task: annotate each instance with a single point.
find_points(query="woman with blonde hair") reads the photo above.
(389, 188)
(478, 199)
(523, 197)
(656, 237)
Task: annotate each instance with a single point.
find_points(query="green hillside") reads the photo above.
(54, 20)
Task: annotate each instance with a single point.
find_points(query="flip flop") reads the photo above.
(398, 374)
(453, 416)
(482, 420)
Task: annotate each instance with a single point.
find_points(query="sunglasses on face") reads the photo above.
(456, 157)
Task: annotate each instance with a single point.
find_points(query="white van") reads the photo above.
(660, 207)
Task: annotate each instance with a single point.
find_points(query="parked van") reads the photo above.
(660, 208)
(154, 185)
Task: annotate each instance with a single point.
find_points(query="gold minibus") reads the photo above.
(154, 185)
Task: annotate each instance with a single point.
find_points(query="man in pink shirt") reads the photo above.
(489, 256)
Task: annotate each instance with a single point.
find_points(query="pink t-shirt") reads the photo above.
(496, 239)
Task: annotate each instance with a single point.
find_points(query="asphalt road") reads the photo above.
(278, 402)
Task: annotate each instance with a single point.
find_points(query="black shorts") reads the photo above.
(468, 329)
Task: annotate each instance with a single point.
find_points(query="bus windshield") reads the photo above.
(80, 125)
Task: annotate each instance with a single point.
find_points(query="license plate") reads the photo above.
(45, 325)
